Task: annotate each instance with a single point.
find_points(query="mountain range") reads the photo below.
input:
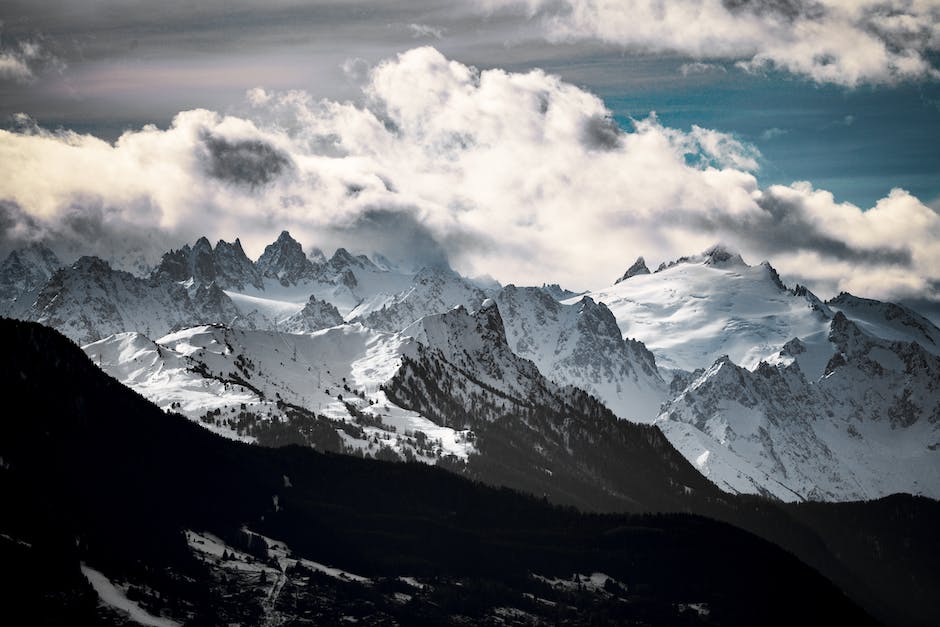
(124, 513)
(683, 389)
(763, 388)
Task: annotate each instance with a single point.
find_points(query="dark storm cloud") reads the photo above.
(789, 9)
(397, 234)
(785, 226)
(248, 162)
(601, 133)
(788, 227)
(522, 196)
(87, 227)
(17, 227)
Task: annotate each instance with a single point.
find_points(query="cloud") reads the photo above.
(521, 176)
(21, 62)
(14, 67)
(772, 133)
(419, 31)
(250, 162)
(690, 69)
(846, 42)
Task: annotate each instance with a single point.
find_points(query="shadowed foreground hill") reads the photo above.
(93, 474)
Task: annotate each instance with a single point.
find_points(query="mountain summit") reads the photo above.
(227, 265)
(284, 260)
(638, 267)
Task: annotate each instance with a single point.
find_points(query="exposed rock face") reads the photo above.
(22, 274)
(285, 261)
(226, 265)
(315, 315)
(638, 267)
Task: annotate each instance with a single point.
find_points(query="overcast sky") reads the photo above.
(512, 138)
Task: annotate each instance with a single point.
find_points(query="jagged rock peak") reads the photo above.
(90, 263)
(284, 260)
(27, 269)
(793, 348)
(316, 256)
(842, 331)
(235, 247)
(814, 301)
(343, 259)
(557, 292)
(718, 255)
(226, 265)
(774, 275)
(489, 317)
(285, 243)
(721, 255)
(32, 253)
(315, 315)
(638, 267)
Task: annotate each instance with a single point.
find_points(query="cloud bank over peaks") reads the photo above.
(516, 175)
(846, 42)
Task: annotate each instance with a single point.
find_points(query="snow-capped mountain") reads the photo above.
(579, 344)
(90, 300)
(432, 394)
(692, 311)
(760, 387)
(638, 267)
(22, 275)
(314, 316)
(226, 265)
(558, 292)
(284, 260)
(249, 384)
(282, 535)
(290, 279)
(870, 426)
(431, 291)
(530, 432)
(476, 345)
(275, 290)
(888, 320)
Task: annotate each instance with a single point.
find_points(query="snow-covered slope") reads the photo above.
(531, 432)
(579, 344)
(888, 320)
(239, 382)
(22, 275)
(693, 311)
(870, 426)
(476, 345)
(770, 389)
(431, 291)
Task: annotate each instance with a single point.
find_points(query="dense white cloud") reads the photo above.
(517, 175)
(846, 42)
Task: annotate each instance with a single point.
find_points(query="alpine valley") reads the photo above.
(707, 389)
